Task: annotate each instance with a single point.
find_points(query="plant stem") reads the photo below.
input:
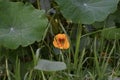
(80, 64)
(96, 60)
(77, 44)
(43, 75)
(38, 4)
(34, 57)
(62, 55)
(17, 69)
(107, 61)
(7, 70)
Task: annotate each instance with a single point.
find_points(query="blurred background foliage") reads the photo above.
(99, 35)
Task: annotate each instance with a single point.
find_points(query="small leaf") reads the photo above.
(47, 65)
(87, 11)
(20, 24)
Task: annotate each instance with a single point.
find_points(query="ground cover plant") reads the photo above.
(59, 39)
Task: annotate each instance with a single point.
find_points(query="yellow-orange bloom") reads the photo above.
(61, 41)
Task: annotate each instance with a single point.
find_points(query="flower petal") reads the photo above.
(61, 41)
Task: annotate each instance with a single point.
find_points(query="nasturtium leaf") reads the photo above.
(86, 11)
(20, 24)
(107, 23)
(111, 33)
(47, 65)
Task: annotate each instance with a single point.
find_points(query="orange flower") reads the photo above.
(61, 41)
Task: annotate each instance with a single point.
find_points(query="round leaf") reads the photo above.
(20, 24)
(87, 11)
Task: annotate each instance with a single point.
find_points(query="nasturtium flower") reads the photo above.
(61, 41)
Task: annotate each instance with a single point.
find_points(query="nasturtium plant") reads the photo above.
(107, 23)
(86, 11)
(20, 24)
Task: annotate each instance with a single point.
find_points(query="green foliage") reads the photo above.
(87, 11)
(47, 65)
(27, 33)
(20, 24)
(111, 33)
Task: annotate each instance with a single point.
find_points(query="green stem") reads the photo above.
(38, 4)
(96, 60)
(7, 70)
(43, 75)
(80, 64)
(30, 75)
(62, 56)
(107, 61)
(34, 57)
(77, 44)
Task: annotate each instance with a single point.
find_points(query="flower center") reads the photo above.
(61, 40)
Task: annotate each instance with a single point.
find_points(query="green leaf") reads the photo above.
(87, 11)
(20, 24)
(108, 22)
(111, 33)
(47, 65)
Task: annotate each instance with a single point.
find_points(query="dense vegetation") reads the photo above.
(59, 39)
